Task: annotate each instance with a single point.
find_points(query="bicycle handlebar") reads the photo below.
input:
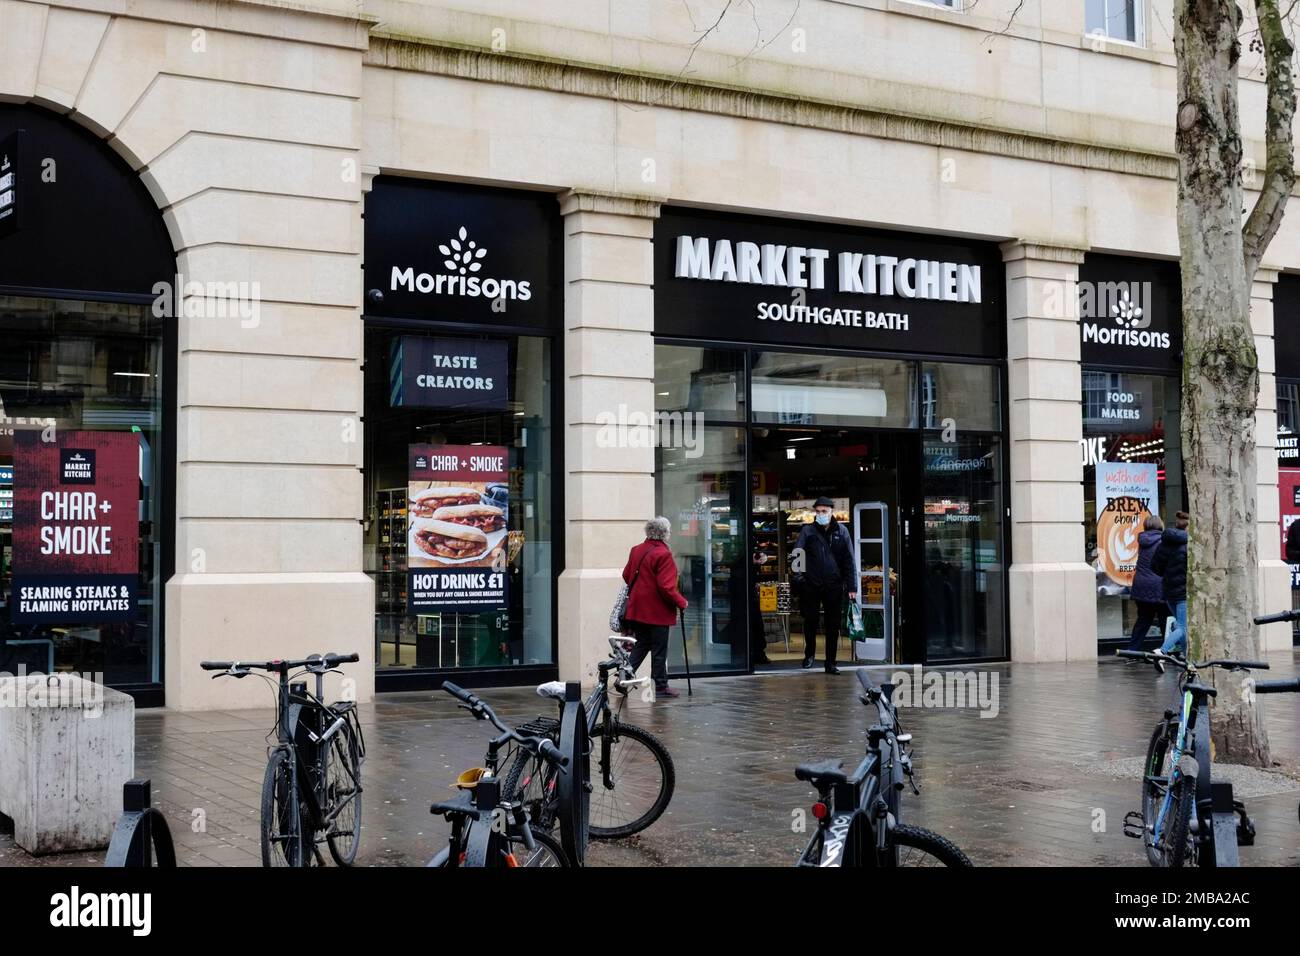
(878, 696)
(547, 750)
(1166, 659)
(1279, 618)
(1278, 686)
(543, 747)
(461, 694)
(328, 660)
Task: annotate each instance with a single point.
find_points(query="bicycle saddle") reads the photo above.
(462, 804)
(552, 688)
(828, 771)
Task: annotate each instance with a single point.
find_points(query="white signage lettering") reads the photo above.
(796, 267)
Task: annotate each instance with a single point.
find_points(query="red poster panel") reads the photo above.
(76, 526)
(1288, 487)
(458, 542)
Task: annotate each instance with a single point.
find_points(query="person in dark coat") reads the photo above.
(1170, 562)
(826, 577)
(1293, 543)
(1147, 588)
(653, 601)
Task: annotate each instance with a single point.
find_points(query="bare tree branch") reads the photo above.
(703, 34)
(990, 37)
(1279, 171)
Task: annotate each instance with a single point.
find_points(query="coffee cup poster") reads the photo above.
(1127, 493)
(76, 527)
(457, 528)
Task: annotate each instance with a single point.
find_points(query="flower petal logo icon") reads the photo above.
(1128, 314)
(462, 254)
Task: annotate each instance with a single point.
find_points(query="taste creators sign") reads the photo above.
(76, 527)
(448, 373)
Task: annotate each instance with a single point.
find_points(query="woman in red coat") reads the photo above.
(653, 601)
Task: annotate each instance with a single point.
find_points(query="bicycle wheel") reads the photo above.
(531, 781)
(1170, 846)
(548, 851)
(920, 847)
(643, 778)
(282, 838)
(343, 789)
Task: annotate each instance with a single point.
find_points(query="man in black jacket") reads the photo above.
(1170, 562)
(825, 553)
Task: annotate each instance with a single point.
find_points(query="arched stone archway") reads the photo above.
(241, 125)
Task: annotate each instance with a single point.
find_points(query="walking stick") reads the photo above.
(686, 657)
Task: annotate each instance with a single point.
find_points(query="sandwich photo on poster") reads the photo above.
(1127, 493)
(458, 542)
(76, 534)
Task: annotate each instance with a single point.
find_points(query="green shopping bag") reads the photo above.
(853, 622)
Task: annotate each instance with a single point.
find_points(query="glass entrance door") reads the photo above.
(963, 505)
(875, 596)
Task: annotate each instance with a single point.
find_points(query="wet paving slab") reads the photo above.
(1044, 781)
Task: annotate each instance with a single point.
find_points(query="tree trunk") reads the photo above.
(1220, 367)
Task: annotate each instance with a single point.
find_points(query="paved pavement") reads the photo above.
(1046, 782)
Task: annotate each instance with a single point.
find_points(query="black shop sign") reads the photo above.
(1286, 326)
(452, 253)
(774, 281)
(1130, 313)
(9, 191)
(449, 373)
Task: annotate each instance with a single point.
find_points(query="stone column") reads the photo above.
(268, 422)
(1274, 573)
(609, 374)
(1053, 604)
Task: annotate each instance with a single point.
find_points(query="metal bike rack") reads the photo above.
(141, 831)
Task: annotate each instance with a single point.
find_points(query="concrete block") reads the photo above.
(67, 745)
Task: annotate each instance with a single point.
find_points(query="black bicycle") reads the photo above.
(634, 778)
(488, 830)
(1185, 819)
(858, 814)
(311, 793)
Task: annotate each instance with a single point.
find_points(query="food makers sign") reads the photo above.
(769, 280)
(76, 527)
(457, 506)
(447, 253)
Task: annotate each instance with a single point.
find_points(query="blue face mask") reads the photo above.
(823, 519)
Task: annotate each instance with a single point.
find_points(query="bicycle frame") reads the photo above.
(482, 845)
(298, 727)
(1175, 765)
(872, 793)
